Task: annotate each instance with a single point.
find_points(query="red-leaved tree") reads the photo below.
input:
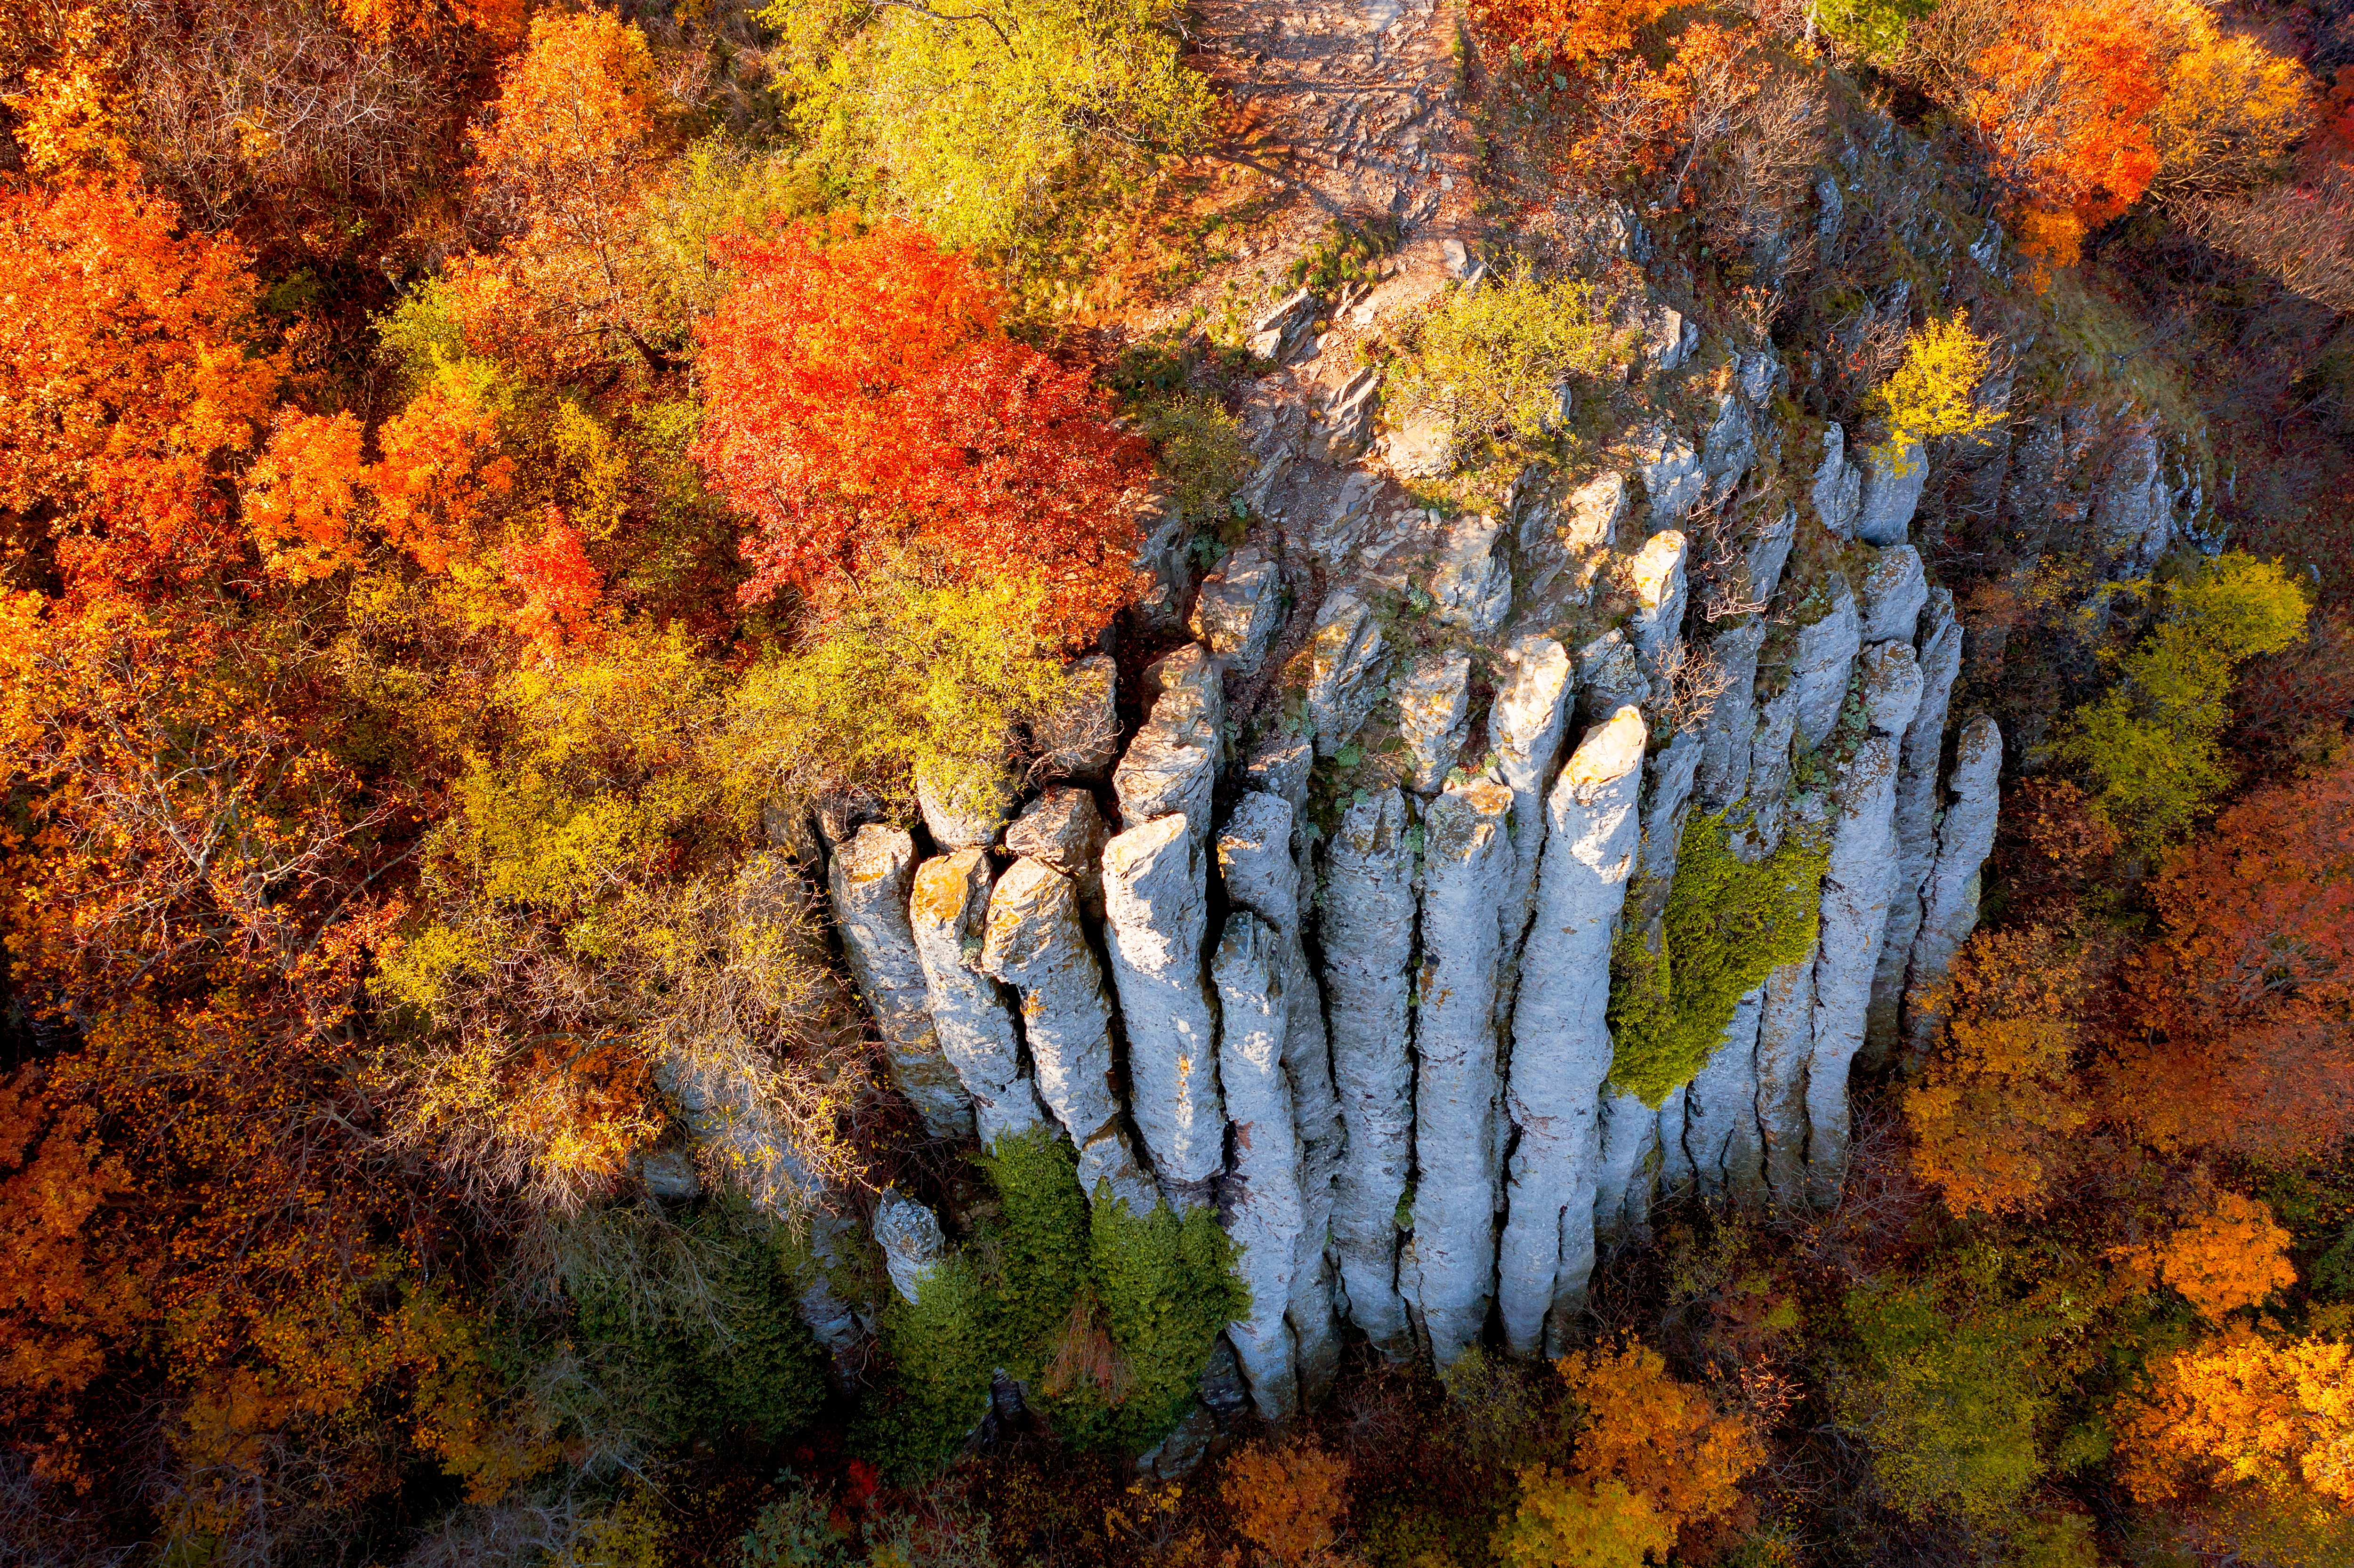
(868, 413)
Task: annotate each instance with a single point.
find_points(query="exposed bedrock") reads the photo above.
(1448, 1268)
(1916, 820)
(1033, 943)
(1857, 881)
(947, 912)
(1344, 651)
(1433, 710)
(1064, 829)
(1819, 670)
(1890, 493)
(1525, 725)
(1627, 1133)
(1171, 766)
(964, 820)
(1731, 723)
(1255, 863)
(1838, 490)
(1720, 1130)
(1949, 900)
(1264, 1210)
(1367, 936)
(869, 877)
(909, 1237)
(1561, 1046)
(1239, 607)
(1156, 914)
(1656, 575)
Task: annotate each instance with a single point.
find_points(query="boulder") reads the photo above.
(1239, 607)
(1671, 475)
(965, 807)
(1448, 1268)
(1345, 652)
(1434, 709)
(1608, 678)
(1156, 914)
(870, 877)
(1561, 1046)
(1348, 428)
(1264, 1212)
(1367, 934)
(908, 1235)
(948, 912)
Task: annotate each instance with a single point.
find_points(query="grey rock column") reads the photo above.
(1786, 1039)
(1264, 1211)
(1949, 903)
(1344, 650)
(1856, 886)
(1367, 933)
(947, 912)
(1449, 1271)
(1172, 763)
(1916, 820)
(1432, 700)
(1656, 575)
(869, 877)
(1732, 722)
(1819, 670)
(1033, 943)
(1720, 1115)
(1561, 1046)
(1156, 914)
(1255, 863)
(1525, 725)
(908, 1235)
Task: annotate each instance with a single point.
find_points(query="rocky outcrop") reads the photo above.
(912, 1244)
(1468, 869)
(1857, 883)
(869, 877)
(1172, 767)
(1238, 606)
(1891, 493)
(1264, 1210)
(1258, 861)
(1344, 649)
(1915, 827)
(1837, 488)
(1064, 829)
(1720, 1137)
(1561, 1048)
(1434, 709)
(1156, 913)
(1826, 650)
(1949, 900)
(947, 912)
(1367, 934)
(1033, 943)
(1656, 578)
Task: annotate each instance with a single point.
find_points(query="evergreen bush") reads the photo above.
(1727, 926)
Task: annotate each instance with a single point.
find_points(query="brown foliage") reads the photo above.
(1289, 1499)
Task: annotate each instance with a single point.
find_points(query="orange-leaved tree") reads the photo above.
(866, 411)
(1663, 1438)
(2225, 1255)
(2063, 101)
(1289, 1499)
(2248, 996)
(127, 388)
(2251, 1420)
(1993, 1116)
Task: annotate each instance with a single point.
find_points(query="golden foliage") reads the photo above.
(1289, 1499)
(1575, 1521)
(1993, 1117)
(1932, 392)
(1661, 1437)
(2227, 1253)
(2278, 1417)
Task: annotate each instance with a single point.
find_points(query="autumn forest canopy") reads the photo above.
(504, 504)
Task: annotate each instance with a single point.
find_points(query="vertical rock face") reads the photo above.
(1892, 493)
(1629, 1134)
(1525, 726)
(1949, 903)
(1917, 817)
(1033, 943)
(1264, 1210)
(1786, 1039)
(1609, 677)
(1657, 577)
(1837, 491)
(1561, 1048)
(1818, 671)
(1720, 1134)
(1367, 934)
(1433, 708)
(1257, 863)
(1731, 726)
(1156, 912)
(1062, 828)
(1468, 869)
(1893, 594)
(1238, 607)
(1856, 886)
(947, 913)
(869, 877)
(1172, 763)
(1769, 767)
(1472, 587)
(1344, 650)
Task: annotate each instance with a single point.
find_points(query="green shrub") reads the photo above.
(1491, 360)
(941, 1368)
(696, 1328)
(977, 117)
(1168, 1287)
(1727, 926)
(1202, 449)
(2152, 747)
(795, 1530)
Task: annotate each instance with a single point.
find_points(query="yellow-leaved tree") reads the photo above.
(1934, 392)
